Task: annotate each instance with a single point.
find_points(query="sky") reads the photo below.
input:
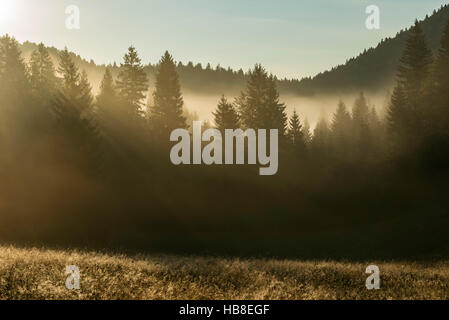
(291, 38)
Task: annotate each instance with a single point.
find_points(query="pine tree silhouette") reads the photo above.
(406, 114)
(439, 93)
(74, 113)
(15, 90)
(42, 77)
(132, 82)
(306, 132)
(166, 114)
(259, 106)
(295, 133)
(225, 116)
(341, 128)
(108, 93)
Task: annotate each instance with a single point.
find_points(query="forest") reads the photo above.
(79, 170)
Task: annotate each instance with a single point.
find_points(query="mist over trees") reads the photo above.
(104, 160)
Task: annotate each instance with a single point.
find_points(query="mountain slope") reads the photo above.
(375, 68)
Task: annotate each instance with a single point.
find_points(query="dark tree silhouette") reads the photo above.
(341, 128)
(16, 113)
(320, 145)
(132, 82)
(108, 94)
(295, 133)
(225, 116)
(42, 73)
(259, 106)
(74, 113)
(166, 114)
(407, 113)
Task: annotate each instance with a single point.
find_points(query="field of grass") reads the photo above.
(40, 274)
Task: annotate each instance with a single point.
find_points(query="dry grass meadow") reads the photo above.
(40, 274)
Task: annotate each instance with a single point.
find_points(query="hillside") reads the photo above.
(375, 68)
(372, 70)
(40, 274)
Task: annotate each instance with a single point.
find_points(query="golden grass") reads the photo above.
(40, 274)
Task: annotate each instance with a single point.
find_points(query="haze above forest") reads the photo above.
(373, 72)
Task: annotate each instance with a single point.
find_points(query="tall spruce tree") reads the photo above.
(294, 132)
(321, 139)
(440, 96)
(44, 85)
(85, 92)
(14, 78)
(273, 114)
(42, 73)
(252, 100)
(360, 111)
(225, 116)
(70, 75)
(16, 110)
(306, 132)
(397, 114)
(108, 94)
(259, 106)
(166, 114)
(362, 135)
(74, 112)
(132, 82)
(415, 65)
(406, 114)
(341, 128)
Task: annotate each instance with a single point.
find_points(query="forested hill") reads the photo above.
(374, 69)
(195, 78)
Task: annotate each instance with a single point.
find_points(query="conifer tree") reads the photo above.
(108, 95)
(14, 78)
(360, 111)
(108, 113)
(295, 133)
(306, 132)
(398, 114)
(70, 75)
(415, 65)
(166, 114)
(341, 122)
(273, 113)
(320, 144)
(16, 111)
(440, 96)
(132, 82)
(225, 116)
(406, 114)
(43, 78)
(253, 98)
(259, 106)
(74, 112)
(85, 93)
(341, 128)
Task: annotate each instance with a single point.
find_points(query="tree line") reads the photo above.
(39, 98)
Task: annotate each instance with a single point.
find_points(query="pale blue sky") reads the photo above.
(291, 38)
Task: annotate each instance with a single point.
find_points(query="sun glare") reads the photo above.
(6, 8)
